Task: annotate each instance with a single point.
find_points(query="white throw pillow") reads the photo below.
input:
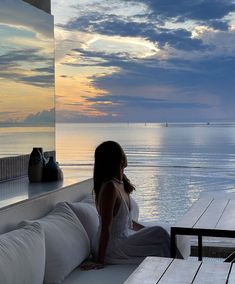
(22, 255)
(88, 216)
(67, 243)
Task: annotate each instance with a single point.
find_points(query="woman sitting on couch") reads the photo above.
(120, 239)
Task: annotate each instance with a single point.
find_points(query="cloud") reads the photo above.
(151, 25)
(38, 80)
(21, 55)
(218, 25)
(7, 112)
(184, 67)
(184, 10)
(45, 69)
(75, 116)
(142, 102)
(188, 81)
(14, 67)
(45, 116)
(6, 117)
(168, 25)
(113, 26)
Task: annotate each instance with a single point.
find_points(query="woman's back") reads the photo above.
(128, 246)
(121, 221)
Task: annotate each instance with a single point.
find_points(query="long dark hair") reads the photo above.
(109, 156)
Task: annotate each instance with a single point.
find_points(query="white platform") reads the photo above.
(20, 189)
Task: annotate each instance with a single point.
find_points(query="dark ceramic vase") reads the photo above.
(52, 171)
(35, 166)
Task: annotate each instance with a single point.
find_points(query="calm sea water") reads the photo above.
(15, 141)
(170, 166)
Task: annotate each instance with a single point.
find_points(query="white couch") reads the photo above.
(44, 239)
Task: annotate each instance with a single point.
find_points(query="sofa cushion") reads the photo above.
(22, 255)
(89, 199)
(67, 243)
(115, 274)
(88, 216)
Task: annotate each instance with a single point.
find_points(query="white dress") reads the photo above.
(128, 246)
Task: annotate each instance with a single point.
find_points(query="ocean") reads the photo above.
(169, 164)
(18, 140)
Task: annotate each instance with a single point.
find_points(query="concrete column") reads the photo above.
(44, 5)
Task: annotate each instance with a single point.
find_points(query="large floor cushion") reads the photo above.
(114, 274)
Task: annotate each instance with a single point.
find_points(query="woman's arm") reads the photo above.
(106, 203)
(107, 200)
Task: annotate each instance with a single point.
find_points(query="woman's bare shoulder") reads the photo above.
(108, 194)
(109, 186)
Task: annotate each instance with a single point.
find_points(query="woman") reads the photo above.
(120, 239)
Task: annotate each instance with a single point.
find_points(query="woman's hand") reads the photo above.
(91, 265)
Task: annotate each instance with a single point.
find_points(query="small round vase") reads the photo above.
(52, 171)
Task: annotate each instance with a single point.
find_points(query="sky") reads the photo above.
(27, 64)
(145, 60)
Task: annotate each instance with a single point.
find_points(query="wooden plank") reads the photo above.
(231, 279)
(227, 221)
(149, 271)
(194, 213)
(212, 215)
(212, 273)
(180, 272)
